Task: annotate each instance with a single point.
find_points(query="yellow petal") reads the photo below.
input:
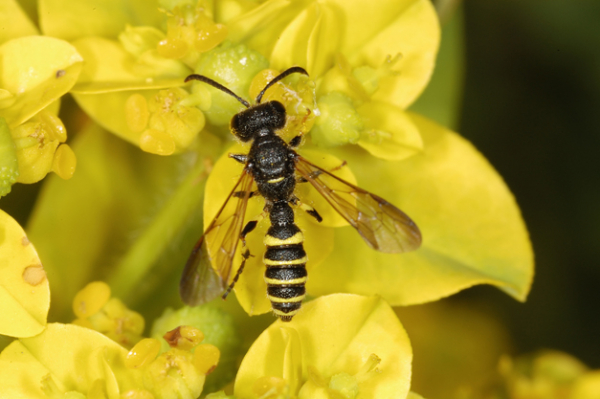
(14, 21)
(411, 31)
(311, 39)
(109, 67)
(350, 330)
(389, 133)
(472, 229)
(24, 291)
(65, 358)
(587, 386)
(71, 20)
(37, 70)
(258, 27)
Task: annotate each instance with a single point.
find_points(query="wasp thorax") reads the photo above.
(262, 117)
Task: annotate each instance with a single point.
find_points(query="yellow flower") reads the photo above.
(95, 309)
(69, 361)
(137, 55)
(61, 360)
(36, 72)
(340, 346)
(58, 360)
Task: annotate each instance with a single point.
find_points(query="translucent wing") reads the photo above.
(383, 226)
(207, 271)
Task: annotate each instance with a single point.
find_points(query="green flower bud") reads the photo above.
(234, 66)
(338, 123)
(9, 168)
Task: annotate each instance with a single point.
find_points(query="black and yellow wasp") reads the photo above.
(276, 168)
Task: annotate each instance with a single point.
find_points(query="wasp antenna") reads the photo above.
(282, 75)
(218, 86)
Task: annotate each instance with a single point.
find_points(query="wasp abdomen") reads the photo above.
(285, 259)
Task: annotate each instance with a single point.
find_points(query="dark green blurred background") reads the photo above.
(532, 106)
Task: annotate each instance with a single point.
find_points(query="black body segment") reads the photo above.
(285, 260)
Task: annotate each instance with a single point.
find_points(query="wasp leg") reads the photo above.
(295, 142)
(241, 194)
(245, 257)
(249, 227)
(308, 209)
(340, 166)
(318, 173)
(241, 158)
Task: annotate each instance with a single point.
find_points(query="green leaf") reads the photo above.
(52, 66)
(9, 167)
(441, 101)
(472, 229)
(70, 20)
(126, 217)
(24, 291)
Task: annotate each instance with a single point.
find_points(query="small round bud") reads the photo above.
(142, 353)
(91, 299)
(184, 337)
(136, 113)
(64, 162)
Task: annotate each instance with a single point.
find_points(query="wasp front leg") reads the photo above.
(241, 158)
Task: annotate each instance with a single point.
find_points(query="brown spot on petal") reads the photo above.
(25, 241)
(172, 337)
(34, 274)
(60, 73)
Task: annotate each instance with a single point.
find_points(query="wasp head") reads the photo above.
(258, 120)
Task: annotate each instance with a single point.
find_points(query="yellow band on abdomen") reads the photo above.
(271, 241)
(295, 281)
(299, 261)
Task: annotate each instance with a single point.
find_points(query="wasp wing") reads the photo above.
(206, 273)
(383, 226)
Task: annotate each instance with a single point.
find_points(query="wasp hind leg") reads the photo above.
(308, 209)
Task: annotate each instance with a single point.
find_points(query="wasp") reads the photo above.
(276, 168)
